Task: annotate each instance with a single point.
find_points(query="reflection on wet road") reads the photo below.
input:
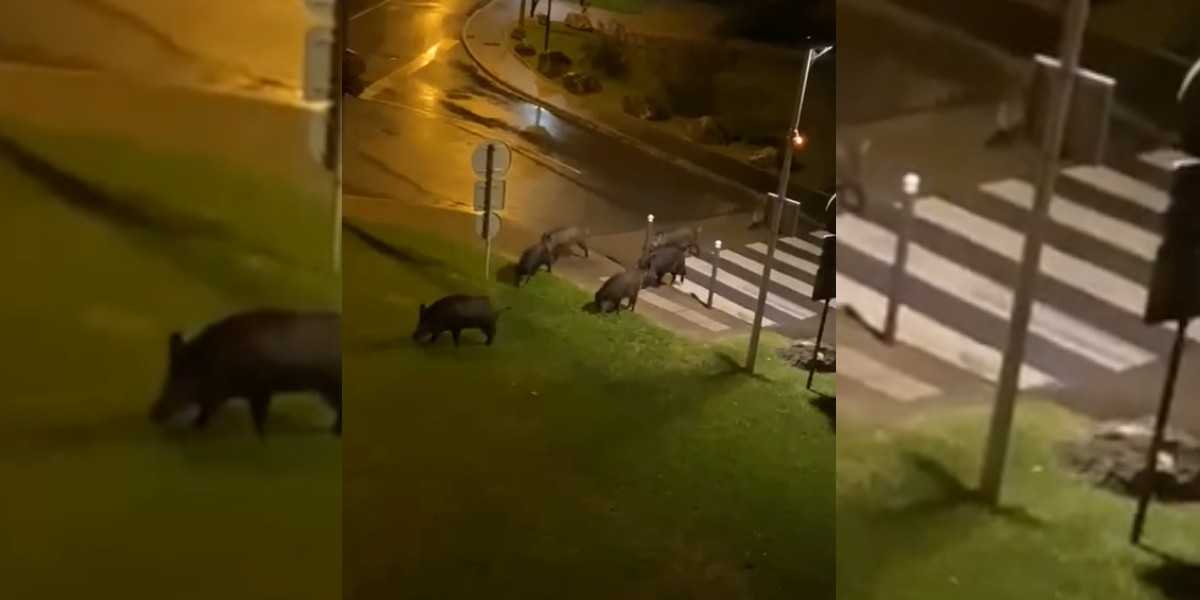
(410, 135)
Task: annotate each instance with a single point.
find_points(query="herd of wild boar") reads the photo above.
(257, 354)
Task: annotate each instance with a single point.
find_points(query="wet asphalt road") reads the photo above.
(410, 136)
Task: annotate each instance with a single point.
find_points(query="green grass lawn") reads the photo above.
(97, 502)
(623, 6)
(579, 457)
(908, 527)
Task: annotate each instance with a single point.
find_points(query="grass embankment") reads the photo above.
(107, 248)
(752, 94)
(580, 456)
(909, 526)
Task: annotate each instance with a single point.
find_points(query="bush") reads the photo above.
(687, 81)
(609, 55)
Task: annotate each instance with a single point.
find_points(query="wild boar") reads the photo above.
(619, 287)
(687, 238)
(564, 237)
(253, 355)
(454, 314)
(664, 260)
(532, 260)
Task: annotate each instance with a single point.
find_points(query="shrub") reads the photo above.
(608, 54)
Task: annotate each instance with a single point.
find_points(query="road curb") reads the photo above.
(586, 123)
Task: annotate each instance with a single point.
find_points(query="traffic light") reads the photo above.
(1175, 282)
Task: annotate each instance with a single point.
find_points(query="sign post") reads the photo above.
(491, 162)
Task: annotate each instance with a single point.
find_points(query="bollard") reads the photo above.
(712, 279)
(911, 184)
(649, 235)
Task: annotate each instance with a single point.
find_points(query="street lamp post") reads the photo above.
(777, 212)
(1000, 430)
(546, 44)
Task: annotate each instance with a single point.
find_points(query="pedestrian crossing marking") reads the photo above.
(721, 303)
(881, 377)
(931, 337)
(1117, 233)
(1120, 186)
(1064, 331)
(783, 279)
(785, 258)
(688, 314)
(749, 289)
(1165, 159)
(802, 245)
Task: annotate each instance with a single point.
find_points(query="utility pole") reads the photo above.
(777, 211)
(1074, 26)
(549, 8)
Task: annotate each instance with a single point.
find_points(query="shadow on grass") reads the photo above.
(732, 367)
(827, 406)
(1176, 578)
(951, 493)
(90, 198)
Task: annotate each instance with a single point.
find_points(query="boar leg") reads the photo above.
(206, 411)
(258, 409)
(586, 254)
(333, 396)
(455, 333)
(490, 332)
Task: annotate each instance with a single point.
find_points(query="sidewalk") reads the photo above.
(486, 38)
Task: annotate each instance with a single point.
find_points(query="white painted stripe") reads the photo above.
(928, 336)
(1104, 285)
(702, 320)
(880, 377)
(1116, 233)
(749, 289)
(1065, 331)
(787, 281)
(372, 8)
(1164, 159)
(820, 234)
(721, 303)
(1120, 185)
(683, 312)
(785, 258)
(802, 245)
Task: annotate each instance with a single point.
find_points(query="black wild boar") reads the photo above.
(532, 259)
(454, 314)
(664, 260)
(254, 355)
(687, 238)
(565, 237)
(619, 287)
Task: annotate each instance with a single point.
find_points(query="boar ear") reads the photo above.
(174, 345)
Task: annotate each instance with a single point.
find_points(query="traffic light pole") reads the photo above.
(1150, 473)
(1074, 24)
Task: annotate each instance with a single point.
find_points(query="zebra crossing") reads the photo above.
(738, 281)
(1103, 234)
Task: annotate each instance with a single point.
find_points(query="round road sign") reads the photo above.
(501, 159)
(493, 225)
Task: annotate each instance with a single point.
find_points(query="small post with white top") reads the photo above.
(911, 184)
(649, 235)
(712, 279)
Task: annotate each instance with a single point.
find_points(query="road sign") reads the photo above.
(318, 64)
(501, 159)
(493, 225)
(498, 191)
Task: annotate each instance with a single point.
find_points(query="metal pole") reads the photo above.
(487, 213)
(911, 185)
(521, 16)
(776, 215)
(1014, 355)
(339, 96)
(812, 365)
(712, 279)
(549, 7)
(649, 234)
(1160, 424)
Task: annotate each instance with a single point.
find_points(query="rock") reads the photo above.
(1114, 457)
(524, 49)
(646, 108)
(554, 64)
(800, 355)
(767, 158)
(517, 33)
(706, 130)
(581, 83)
(578, 21)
